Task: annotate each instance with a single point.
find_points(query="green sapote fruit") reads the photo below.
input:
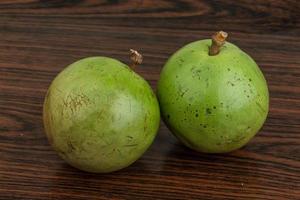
(99, 115)
(212, 95)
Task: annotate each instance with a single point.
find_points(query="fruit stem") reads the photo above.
(136, 58)
(218, 40)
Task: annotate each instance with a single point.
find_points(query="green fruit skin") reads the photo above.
(99, 115)
(213, 104)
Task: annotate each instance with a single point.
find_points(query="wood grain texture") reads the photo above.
(39, 38)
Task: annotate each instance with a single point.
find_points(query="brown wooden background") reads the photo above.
(39, 38)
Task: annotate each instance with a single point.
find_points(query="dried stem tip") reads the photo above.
(136, 58)
(218, 40)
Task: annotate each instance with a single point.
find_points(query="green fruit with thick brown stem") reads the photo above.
(214, 98)
(99, 115)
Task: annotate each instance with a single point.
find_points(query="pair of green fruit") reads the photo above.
(100, 116)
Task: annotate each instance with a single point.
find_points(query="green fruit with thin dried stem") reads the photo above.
(99, 115)
(213, 96)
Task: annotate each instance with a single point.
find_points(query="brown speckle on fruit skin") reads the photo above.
(145, 123)
(71, 147)
(130, 145)
(208, 111)
(75, 103)
(260, 108)
(229, 82)
(184, 92)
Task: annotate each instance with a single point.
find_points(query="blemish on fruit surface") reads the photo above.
(229, 82)
(184, 92)
(130, 145)
(261, 109)
(208, 111)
